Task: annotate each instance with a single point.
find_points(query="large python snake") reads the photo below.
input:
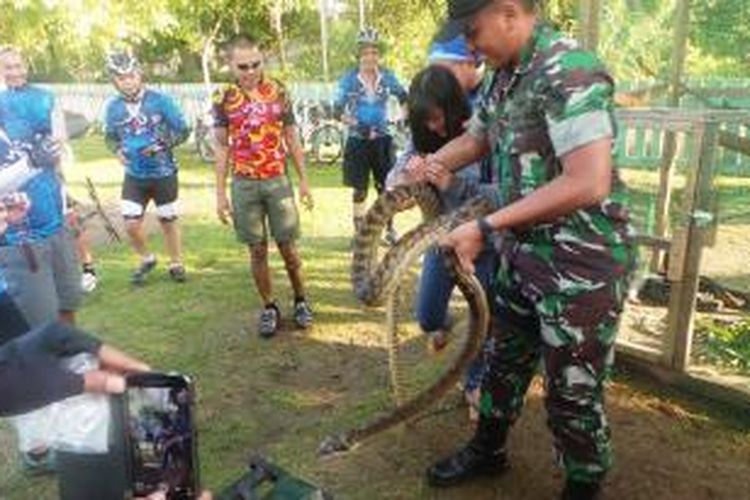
(375, 284)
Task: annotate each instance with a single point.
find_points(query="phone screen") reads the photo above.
(161, 436)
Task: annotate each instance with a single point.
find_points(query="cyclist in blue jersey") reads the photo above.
(362, 104)
(38, 254)
(142, 127)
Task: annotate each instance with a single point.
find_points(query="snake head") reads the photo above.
(334, 444)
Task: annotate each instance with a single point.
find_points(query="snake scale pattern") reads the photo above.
(375, 283)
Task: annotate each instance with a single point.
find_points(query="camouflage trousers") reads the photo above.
(564, 313)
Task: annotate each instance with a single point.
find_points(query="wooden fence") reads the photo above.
(703, 137)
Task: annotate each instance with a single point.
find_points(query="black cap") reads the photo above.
(460, 12)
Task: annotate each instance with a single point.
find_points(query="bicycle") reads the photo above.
(203, 135)
(322, 137)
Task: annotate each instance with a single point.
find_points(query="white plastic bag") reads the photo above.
(79, 424)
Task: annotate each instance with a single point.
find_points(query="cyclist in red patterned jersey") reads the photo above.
(255, 130)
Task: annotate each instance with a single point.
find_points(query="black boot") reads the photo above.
(483, 455)
(578, 490)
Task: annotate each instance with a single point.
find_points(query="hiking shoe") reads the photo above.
(89, 279)
(177, 273)
(39, 463)
(576, 490)
(303, 314)
(268, 322)
(139, 275)
(471, 461)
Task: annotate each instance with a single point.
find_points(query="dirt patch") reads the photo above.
(663, 450)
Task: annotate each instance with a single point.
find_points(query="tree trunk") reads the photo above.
(361, 14)
(324, 37)
(277, 25)
(206, 53)
(590, 13)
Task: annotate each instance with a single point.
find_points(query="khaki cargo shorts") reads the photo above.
(260, 203)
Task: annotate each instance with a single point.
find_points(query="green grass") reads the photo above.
(206, 327)
(281, 396)
(726, 345)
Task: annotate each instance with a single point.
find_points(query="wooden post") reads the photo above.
(685, 261)
(666, 171)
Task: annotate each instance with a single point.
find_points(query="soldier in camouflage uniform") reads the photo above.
(546, 116)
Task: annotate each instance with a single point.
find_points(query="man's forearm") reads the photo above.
(461, 151)
(298, 155)
(220, 164)
(178, 137)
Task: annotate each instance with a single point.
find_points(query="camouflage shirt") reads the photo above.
(557, 99)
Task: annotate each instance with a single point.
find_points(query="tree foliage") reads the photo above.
(66, 40)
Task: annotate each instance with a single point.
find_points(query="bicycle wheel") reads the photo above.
(204, 144)
(327, 144)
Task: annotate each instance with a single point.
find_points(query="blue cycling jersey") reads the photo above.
(26, 112)
(26, 117)
(369, 109)
(145, 133)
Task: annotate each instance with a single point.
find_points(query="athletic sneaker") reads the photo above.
(303, 314)
(177, 273)
(39, 463)
(268, 322)
(139, 275)
(89, 279)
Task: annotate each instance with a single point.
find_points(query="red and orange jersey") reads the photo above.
(255, 122)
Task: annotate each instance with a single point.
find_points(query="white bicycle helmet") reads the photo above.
(122, 63)
(368, 36)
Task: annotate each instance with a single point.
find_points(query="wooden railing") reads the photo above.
(703, 135)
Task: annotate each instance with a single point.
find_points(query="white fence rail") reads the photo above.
(90, 99)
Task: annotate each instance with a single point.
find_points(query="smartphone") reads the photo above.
(160, 437)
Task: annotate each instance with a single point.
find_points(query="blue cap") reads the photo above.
(453, 49)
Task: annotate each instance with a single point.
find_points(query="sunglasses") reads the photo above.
(248, 66)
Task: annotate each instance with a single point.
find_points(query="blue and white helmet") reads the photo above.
(368, 36)
(121, 63)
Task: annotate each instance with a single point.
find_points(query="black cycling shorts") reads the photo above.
(136, 193)
(362, 156)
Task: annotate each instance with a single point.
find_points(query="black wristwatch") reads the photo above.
(485, 228)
